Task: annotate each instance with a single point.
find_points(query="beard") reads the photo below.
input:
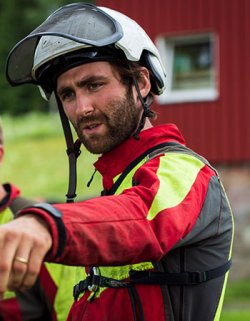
(120, 117)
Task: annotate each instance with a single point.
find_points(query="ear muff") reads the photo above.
(158, 75)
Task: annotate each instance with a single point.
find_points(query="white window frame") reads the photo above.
(166, 48)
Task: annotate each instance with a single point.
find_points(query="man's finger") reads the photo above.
(20, 264)
(8, 245)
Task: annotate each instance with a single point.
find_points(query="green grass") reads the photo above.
(237, 301)
(36, 161)
(237, 315)
(238, 292)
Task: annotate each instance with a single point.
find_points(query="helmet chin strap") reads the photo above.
(145, 103)
(73, 151)
(73, 148)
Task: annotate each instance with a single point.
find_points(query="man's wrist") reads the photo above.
(53, 219)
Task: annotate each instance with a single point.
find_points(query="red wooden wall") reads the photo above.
(220, 129)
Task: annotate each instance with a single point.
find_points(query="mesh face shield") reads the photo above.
(78, 26)
(80, 22)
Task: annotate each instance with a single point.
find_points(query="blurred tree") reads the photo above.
(17, 19)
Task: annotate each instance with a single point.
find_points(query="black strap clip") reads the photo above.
(94, 280)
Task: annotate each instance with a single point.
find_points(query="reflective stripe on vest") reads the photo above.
(64, 278)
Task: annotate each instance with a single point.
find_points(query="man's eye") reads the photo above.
(66, 95)
(94, 86)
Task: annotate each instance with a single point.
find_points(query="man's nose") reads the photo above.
(84, 105)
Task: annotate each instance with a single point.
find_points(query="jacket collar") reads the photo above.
(115, 161)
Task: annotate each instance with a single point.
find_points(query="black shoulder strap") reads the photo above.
(153, 151)
(178, 148)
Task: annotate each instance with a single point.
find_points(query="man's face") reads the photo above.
(102, 109)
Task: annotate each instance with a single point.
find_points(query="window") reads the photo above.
(190, 63)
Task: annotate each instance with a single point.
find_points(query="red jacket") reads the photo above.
(166, 207)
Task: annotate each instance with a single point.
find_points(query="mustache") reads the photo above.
(83, 120)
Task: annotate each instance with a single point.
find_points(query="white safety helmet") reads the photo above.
(79, 33)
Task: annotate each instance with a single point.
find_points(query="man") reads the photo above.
(157, 244)
(51, 296)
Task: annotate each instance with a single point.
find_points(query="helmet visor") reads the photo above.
(79, 22)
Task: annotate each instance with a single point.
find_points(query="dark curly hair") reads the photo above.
(128, 71)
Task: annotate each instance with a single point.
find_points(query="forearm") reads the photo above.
(95, 229)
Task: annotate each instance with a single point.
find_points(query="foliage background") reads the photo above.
(17, 19)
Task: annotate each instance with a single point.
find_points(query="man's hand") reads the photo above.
(24, 243)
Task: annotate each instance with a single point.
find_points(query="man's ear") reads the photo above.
(144, 82)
